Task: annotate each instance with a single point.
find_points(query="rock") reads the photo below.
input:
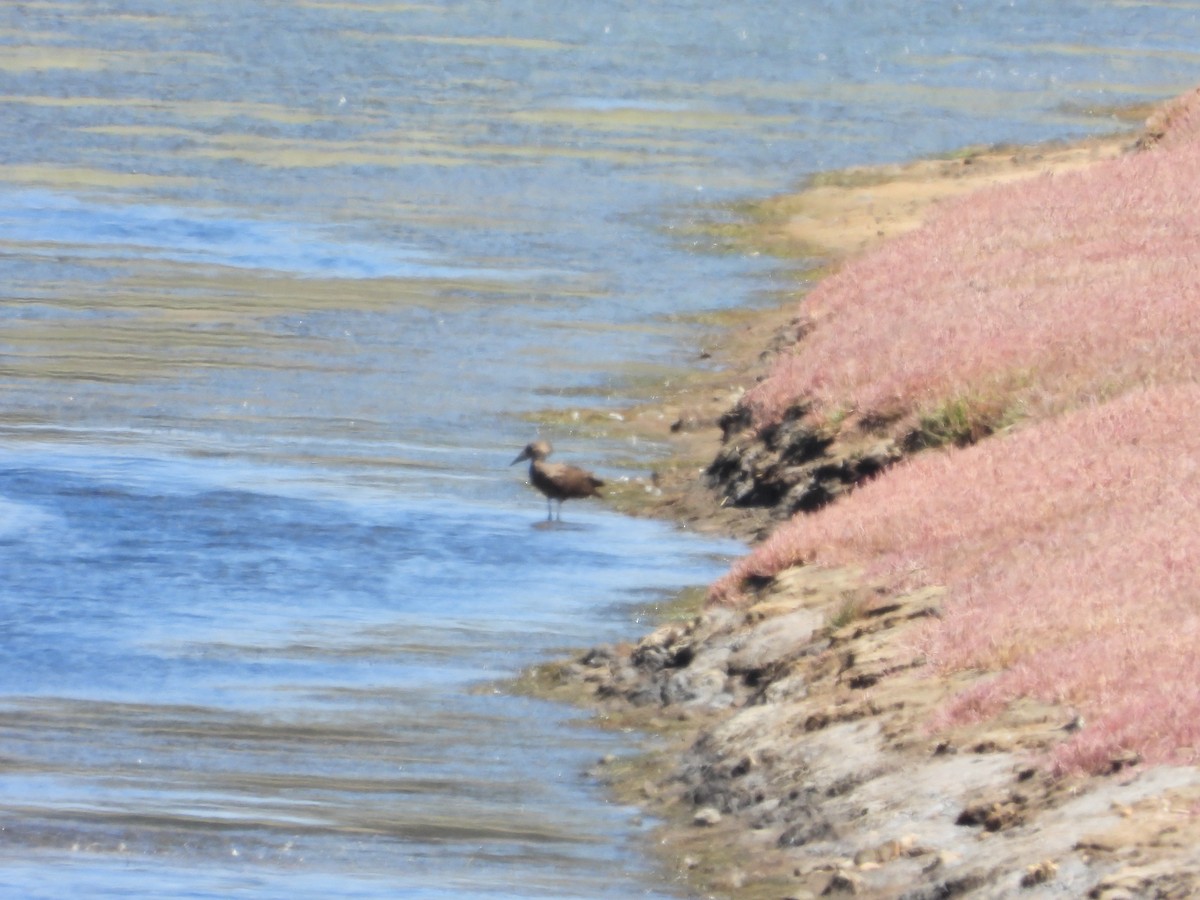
(994, 812)
(735, 420)
(789, 687)
(772, 641)
(885, 852)
(1124, 759)
(659, 649)
(744, 766)
(1166, 879)
(1101, 843)
(706, 817)
(843, 883)
(943, 860)
(649, 695)
(599, 657)
(697, 688)
(878, 458)
(1039, 873)
(789, 466)
(811, 827)
(797, 442)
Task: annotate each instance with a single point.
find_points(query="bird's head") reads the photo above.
(535, 450)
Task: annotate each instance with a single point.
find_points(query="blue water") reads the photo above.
(233, 671)
(93, 230)
(284, 288)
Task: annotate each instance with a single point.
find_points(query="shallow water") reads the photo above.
(283, 284)
(237, 675)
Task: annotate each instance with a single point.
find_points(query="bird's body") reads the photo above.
(557, 481)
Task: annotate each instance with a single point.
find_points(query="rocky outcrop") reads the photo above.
(799, 762)
(792, 466)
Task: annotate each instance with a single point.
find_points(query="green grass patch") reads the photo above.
(849, 610)
(959, 421)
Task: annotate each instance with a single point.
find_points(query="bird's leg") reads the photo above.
(549, 509)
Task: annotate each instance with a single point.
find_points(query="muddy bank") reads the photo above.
(793, 755)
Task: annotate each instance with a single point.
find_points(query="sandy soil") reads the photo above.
(846, 212)
(790, 756)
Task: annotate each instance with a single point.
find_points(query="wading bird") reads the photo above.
(557, 481)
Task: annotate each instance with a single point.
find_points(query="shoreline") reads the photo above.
(789, 757)
(831, 219)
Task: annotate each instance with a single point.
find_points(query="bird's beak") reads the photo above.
(523, 455)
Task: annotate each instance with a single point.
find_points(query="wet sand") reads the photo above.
(788, 756)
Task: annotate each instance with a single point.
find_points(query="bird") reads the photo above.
(557, 481)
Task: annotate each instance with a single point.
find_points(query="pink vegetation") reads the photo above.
(1072, 556)
(1047, 291)
(1070, 546)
